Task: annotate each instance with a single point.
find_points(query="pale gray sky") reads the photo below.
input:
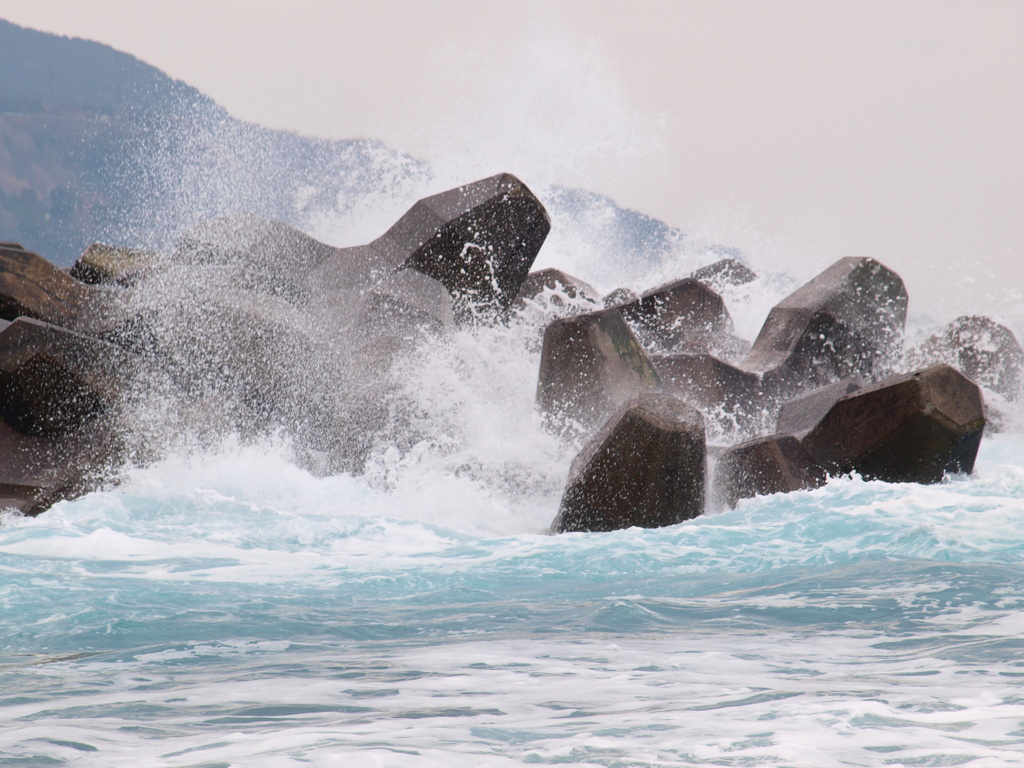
(808, 128)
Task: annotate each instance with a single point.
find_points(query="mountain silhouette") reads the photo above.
(96, 145)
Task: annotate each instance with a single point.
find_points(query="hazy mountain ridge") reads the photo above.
(97, 145)
(72, 113)
(42, 72)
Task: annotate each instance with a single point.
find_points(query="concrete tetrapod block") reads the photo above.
(53, 381)
(269, 256)
(982, 350)
(56, 389)
(620, 296)
(776, 464)
(590, 365)
(30, 286)
(405, 304)
(36, 472)
(478, 240)
(847, 321)
(338, 286)
(645, 468)
(103, 264)
(725, 272)
(684, 315)
(257, 352)
(722, 391)
(553, 287)
(910, 428)
(800, 415)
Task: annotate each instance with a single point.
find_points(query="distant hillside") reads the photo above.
(41, 73)
(97, 145)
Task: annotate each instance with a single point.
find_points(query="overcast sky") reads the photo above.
(816, 129)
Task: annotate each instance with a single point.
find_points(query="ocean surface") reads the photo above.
(224, 608)
(233, 611)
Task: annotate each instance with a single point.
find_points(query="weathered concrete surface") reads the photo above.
(775, 464)
(54, 381)
(260, 354)
(337, 286)
(102, 264)
(800, 415)
(59, 394)
(405, 304)
(553, 287)
(986, 352)
(911, 428)
(478, 240)
(847, 321)
(590, 365)
(620, 296)
(268, 257)
(36, 472)
(30, 286)
(682, 316)
(645, 467)
(725, 272)
(728, 396)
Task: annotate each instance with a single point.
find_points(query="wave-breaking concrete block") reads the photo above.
(911, 428)
(645, 468)
(590, 365)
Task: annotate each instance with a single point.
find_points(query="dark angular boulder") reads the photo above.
(478, 240)
(619, 297)
(681, 316)
(103, 264)
(729, 395)
(30, 286)
(983, 350)
(776, 464)
(847, 321)
(36, 471)
(645, 468)
(266, 256)
(257, 351)
(54, 381)
(554, 287)
(725, 272)
(590, 365)
(405, 304)
(910, 428)
(800, 415)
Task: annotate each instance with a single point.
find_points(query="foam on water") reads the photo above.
(229, 609)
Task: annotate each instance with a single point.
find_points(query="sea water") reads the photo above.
(223, 607)
(230, 610)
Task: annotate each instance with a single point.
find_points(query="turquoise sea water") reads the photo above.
(227, 609)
